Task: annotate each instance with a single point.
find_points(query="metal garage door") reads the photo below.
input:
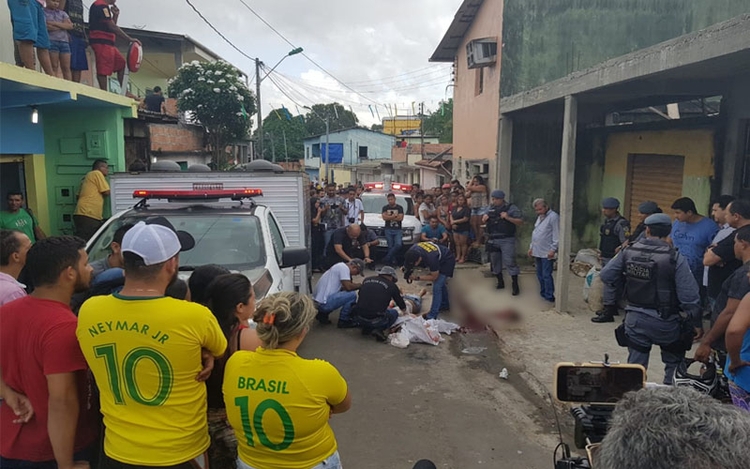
(653, 177)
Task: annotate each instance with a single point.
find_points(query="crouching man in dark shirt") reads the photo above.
(375, 296)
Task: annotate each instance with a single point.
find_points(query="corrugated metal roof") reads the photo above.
(446, 50)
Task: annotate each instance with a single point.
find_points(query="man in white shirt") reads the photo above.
(13, 248)
(543, 248)
(355, 210)
(335, 290)
(426, 210)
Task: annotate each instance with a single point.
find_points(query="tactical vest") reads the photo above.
(650, 277)
(609, 240)
(496, 227)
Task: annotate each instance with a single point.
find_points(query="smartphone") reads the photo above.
(597, 384)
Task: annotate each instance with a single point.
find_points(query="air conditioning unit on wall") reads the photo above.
(481, 52)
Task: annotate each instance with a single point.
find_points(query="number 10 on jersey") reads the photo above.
(243, 403)
(116, 371)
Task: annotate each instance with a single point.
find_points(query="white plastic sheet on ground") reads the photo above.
(415, 329)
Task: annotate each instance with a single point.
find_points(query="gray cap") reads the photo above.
(498, 194)
(649, 208)
(610, 202)
(387, 270)
(658, 219)
(359, 263)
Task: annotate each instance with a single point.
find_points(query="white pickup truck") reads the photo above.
(374, 199)
(230, 229)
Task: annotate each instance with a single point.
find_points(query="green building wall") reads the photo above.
(544, 40)
(70, 139)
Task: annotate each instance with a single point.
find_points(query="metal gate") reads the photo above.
(652, 177)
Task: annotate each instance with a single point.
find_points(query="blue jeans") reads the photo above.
(394, 237)
(342, 299)
(417, 300)
(381, 323)
(439, 296)
(328, 236)
(331, 462)
(544, 274)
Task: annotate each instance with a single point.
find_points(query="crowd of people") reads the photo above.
(453, 219)
(117, 362)
(452, 216)
(54, 33)
(179, 377)
(672, 275)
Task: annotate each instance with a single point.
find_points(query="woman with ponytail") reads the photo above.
(232, 300)
(278, 403)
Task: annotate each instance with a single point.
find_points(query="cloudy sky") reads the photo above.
(379, 48)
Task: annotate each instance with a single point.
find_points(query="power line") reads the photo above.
(405, 86)
(410, 81)
(284, 92)
(205, 20)
(289, 82)
(305, 55)
(404, 76)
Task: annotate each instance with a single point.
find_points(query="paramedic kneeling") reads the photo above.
(659, 285)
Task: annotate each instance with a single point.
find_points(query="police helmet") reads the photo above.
(707, 382)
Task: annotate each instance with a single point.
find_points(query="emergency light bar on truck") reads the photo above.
(396, 186)
(234, 194)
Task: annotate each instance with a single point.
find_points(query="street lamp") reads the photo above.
(258, 79)
(328, 133)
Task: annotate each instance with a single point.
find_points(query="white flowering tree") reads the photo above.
(216, 97)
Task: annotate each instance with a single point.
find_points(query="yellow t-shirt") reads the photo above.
(279, 405)
(90, 198)
(145, 354)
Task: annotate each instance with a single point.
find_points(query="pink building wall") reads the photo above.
(475, 114)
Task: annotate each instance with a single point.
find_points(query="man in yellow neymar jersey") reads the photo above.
(144, 350)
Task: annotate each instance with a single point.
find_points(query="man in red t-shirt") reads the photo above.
(40, 359)
(103, 31)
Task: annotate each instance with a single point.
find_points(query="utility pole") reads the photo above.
(273, 149)
(421, 128)
(286, 150)
(328, 133)
(258, 63)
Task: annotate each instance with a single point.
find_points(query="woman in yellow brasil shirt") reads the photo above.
(278, 403)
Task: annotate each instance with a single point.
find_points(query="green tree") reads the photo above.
(340, 118)
(213, 94)
(278, 126)
(440, 122)
(376, 127)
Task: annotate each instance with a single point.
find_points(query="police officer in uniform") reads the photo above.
(658, 286)
(644, 210)
(614, 232)
(501, 222)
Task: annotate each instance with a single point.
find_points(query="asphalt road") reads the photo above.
(432, 402)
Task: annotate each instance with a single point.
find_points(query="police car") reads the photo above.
(229, 229)
(374, 199)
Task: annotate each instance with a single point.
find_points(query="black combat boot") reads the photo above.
(500, 282)
(607, 315)
(516, 290)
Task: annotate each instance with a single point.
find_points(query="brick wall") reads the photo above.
(176, 138)
(398, 154)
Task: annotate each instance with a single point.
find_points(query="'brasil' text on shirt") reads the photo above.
(270, 386)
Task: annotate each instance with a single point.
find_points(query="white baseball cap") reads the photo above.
(153, 242)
